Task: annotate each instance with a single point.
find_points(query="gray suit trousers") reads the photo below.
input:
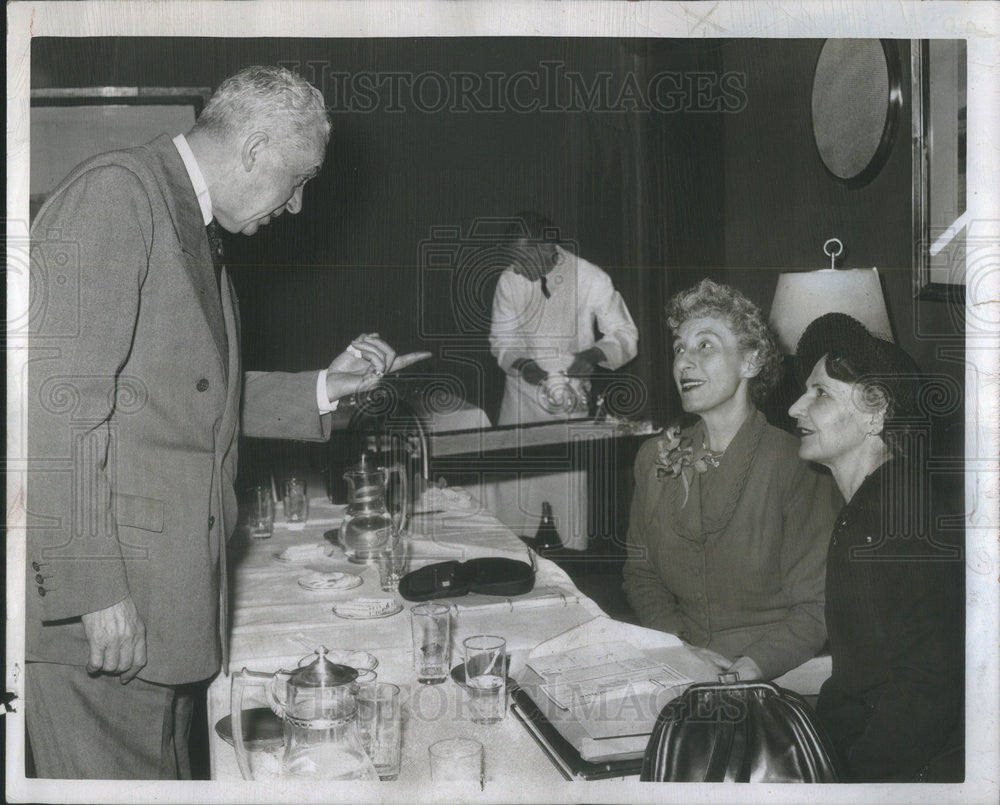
(84, 727)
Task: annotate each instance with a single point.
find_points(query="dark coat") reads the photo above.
(895, 615)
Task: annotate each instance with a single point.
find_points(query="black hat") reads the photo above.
(855, 355)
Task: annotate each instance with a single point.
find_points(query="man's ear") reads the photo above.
(253, 147)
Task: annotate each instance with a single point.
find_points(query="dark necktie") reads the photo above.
(545, 288)
(215, 244)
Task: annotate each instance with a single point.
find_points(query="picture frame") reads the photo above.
(71, 124)
(939, 70)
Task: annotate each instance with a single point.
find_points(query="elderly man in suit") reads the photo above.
(136, 401)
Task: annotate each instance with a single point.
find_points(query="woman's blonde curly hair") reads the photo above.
(744, 318)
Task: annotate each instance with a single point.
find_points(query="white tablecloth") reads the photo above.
(275, 622)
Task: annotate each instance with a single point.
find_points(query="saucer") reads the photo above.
(333, 580)
(262, 729)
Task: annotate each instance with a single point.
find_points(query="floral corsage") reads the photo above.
(677, 457)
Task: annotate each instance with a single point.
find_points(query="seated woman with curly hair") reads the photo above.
(728, 529)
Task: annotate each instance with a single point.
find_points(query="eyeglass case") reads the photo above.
(490, 575)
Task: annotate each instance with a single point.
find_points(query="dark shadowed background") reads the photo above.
(662, 161)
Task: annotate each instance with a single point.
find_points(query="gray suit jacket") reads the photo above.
(135, 401)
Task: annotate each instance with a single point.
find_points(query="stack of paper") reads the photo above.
(579, 676)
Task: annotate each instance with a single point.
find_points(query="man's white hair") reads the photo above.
(269, 99)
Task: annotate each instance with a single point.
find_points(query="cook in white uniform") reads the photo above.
(547, 305)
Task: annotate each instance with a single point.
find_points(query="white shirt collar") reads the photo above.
(197, 179)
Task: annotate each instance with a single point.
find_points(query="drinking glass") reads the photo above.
(364, 683)
(431, 625)
(486, 677)
(295, 503)
(261, 519)
(380, 725)
(457, 759)
(392, 562)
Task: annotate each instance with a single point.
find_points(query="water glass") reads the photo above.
(486, 677)
(261, 516)
(295, 502)
(392, 563)
(364, 683)
(431, 625)
(381, 728)
(457, 759)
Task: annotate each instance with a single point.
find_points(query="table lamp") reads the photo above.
(802, 298)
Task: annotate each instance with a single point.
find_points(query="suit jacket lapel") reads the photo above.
(188, 223)
(731, 476)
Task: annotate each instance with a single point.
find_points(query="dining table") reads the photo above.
(276, 623)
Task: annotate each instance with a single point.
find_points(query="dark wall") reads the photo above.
(721, 179)
(633, 188)
(781, 206)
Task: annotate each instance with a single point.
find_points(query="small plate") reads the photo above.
(300, 554)
(334, 580)
(262, 729)
(352, 612)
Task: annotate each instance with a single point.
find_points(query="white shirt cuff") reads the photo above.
(322, 400)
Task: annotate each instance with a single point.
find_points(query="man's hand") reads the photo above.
(584, 363)
(117, 638)
(530, 371)
(362, 366)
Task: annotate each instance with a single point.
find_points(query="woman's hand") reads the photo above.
(713, 658)
(746, 668)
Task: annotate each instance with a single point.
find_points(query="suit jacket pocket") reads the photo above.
(139, 512)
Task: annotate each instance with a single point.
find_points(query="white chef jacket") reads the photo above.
(551, 331)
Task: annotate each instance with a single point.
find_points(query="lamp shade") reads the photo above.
(802, 298)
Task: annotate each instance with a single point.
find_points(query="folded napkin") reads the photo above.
(306, 553)
(366, 607)
(449, 498)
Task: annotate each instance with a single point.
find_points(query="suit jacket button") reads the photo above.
(41, 591)
(35, 566)
(202, 385)
(39, 578)
(211, 522)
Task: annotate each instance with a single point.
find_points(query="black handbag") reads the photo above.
(741, 732)
(489, 575)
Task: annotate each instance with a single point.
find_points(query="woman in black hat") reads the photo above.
(894, 591)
